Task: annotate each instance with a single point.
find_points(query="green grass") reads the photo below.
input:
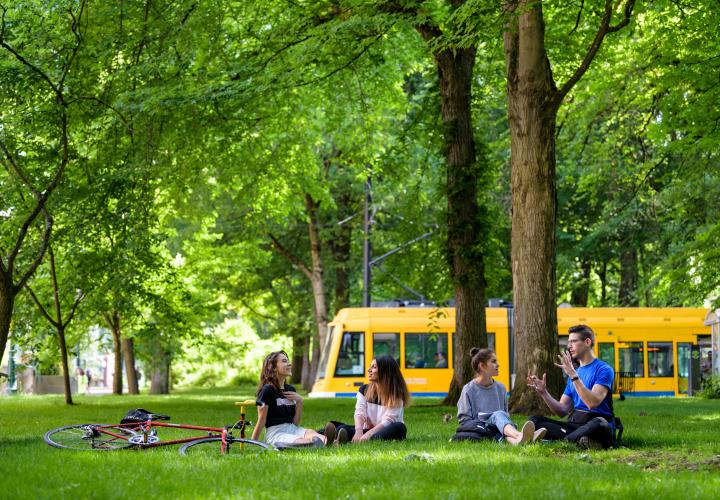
(672, 449)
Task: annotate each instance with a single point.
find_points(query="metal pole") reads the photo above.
(367, 247)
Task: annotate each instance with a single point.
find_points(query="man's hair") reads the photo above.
(584, 331)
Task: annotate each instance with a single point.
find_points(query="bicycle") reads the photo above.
(143, 435)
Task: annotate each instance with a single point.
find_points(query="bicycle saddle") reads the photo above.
(141, 415)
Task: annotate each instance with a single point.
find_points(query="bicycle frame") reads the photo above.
(147, 427)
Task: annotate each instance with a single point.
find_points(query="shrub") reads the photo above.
(711, 387)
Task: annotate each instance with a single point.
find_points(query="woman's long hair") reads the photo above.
(390, 387)
(268, 374)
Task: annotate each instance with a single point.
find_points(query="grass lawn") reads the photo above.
(671, 450)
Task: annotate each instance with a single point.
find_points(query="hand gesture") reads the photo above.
(566, 363)
(539, 384)
(293, 396)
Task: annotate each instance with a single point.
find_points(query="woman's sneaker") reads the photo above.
(342, 437)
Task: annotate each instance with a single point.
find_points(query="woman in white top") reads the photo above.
(379, 406)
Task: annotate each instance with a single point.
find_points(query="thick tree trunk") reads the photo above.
(627, 294)
(581, 289)
(465, 258)
(7, 302)
(316, 279)
(128, 349)
(532, 108)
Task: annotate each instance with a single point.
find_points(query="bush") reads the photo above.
(711, 387)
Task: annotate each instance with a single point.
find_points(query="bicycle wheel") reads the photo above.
(99, 437)
(212, 446)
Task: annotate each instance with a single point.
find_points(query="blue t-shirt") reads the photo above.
(597, 372)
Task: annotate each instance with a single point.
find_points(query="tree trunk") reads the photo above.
(7, 302)
(65, 365)
(316, 279)
(602, 276)
(581, 289)
(532, 108)
(128, 349)
(113, 321)
(305, 372)
(465, 224)
(160, 370)
(627, 295)
(297, 357)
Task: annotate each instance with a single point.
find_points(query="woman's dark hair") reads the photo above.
(268, 374)
(390, 387)
(480, 356)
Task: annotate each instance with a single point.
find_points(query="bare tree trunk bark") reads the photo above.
(160, 370)
(532, 108)
(128, 349)
(297, 357)
(7, 301)
(465, 222)
(316, 279)
(65, 365)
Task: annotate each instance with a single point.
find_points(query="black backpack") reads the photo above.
(140, 415)
(476, 430)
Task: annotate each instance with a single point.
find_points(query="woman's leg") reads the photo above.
(501, 420)
(395, 431)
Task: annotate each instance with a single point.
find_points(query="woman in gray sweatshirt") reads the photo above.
(484, 399)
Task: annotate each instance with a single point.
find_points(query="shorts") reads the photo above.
(284, 434)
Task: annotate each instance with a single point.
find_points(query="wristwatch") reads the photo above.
(574, 378)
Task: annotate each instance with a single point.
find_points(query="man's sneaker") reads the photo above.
(342, 437)
(539, 434)
(318, 442)
(585, 443)
(330, 433)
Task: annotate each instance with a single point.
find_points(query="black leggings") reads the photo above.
(395, 431)
(597, 429)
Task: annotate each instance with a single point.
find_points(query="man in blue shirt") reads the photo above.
(587, 396)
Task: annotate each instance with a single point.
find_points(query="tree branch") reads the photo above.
(289, 256)
(603, 30)
(40, 306)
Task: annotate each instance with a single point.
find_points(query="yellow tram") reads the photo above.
(654, 346)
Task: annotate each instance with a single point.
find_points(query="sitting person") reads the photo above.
(484, 400)
(441, 360)
(282, 407)
(587, 396)
(379, 405)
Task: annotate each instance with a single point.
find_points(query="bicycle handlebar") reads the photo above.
(249, 402)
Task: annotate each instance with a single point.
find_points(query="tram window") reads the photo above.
(426, 350)
(387, 344)
(606, 352)
(351, 358)
(630, 355)
(660, 359)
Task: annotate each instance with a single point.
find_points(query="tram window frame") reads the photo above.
(426, 356)
(386, 335)
(325, 355)
(355, 341)
(639, 370)
(653, 365)
(611, 349)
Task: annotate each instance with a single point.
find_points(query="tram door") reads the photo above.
(683, 367)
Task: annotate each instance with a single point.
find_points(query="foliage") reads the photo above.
(711, 387)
